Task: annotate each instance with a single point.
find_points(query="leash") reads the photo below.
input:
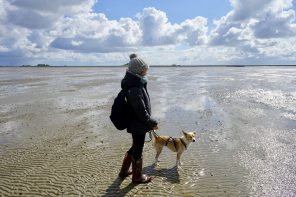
(154, 133)
(150, 135)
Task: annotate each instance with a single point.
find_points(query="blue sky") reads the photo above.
(105, 32)
(176, 10)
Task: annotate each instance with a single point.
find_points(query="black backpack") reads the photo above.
(119, 111)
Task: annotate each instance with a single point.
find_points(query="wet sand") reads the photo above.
(56, 138)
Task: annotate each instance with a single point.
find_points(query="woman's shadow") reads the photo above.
(170, 174)
(115, 190)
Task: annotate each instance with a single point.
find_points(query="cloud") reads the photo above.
(253, 27)
(13, 57)
(2, 10)
(194, 31)
(244, 9)
(273, 26)
(157, 30)
(95, 33)
(68, 30)
(43, 14)
(28, 27)
(31, 19)
(252, 19)
(54, 6)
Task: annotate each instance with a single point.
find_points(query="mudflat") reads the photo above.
(56, 138)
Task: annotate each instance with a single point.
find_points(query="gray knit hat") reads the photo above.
(136, 65)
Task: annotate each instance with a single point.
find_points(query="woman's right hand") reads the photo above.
(155, 128)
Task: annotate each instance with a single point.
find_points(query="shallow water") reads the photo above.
(56, 138)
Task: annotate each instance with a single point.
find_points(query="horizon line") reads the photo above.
(173, 66)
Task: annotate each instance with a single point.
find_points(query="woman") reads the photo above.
(135, 82)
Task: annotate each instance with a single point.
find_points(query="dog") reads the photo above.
(178, 145)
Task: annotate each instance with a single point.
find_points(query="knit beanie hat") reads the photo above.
(136, 65)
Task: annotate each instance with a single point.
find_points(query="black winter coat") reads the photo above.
(139, 104)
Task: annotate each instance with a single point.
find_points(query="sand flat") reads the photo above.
(56, 137)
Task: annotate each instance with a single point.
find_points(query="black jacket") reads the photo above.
(139, 104)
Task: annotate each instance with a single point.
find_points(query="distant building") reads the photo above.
(43, 65)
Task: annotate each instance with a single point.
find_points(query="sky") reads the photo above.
(162, 32)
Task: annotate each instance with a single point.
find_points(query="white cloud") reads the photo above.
(279, 25)
(69, 31)
(95, 33)
(254, 27)
(29, 27)
(244, 9)
(194, 31)
(204, 55)
(54, 6)
(2, 10)
(254, 19)
(31, 19)
(34, 14)
(157, 30)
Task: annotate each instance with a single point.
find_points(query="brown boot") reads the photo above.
(138, 177)
(124, 172)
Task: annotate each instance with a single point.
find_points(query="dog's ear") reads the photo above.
(184, 132)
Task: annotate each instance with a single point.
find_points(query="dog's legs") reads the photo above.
(178, 163)
(158, 151)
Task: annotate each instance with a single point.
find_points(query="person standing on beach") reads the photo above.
(141, 122)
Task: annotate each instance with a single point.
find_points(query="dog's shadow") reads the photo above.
(171, 174)
(115, 190)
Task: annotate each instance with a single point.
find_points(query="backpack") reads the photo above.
(119, 111)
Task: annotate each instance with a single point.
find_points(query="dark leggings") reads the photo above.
(137, 147)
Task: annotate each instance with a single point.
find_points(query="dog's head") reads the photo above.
(190, 136)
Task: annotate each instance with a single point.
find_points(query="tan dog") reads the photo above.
(178, 145)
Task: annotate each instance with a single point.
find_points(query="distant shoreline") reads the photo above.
(155, 66)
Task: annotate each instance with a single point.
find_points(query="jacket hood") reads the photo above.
(132, 80)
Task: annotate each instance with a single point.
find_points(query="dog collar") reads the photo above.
(183, 143)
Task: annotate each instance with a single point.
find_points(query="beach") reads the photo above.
(56, 138)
